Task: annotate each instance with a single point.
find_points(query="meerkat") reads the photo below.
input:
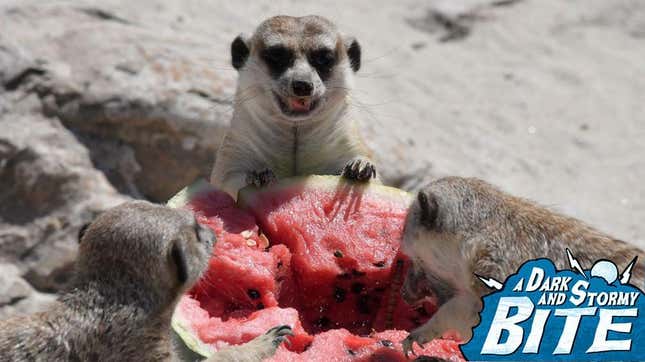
(134, 263)
(462, 227)
(292, 111)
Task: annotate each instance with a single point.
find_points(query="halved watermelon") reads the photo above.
(325, 262)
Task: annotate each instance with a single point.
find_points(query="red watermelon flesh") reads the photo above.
(341, 345)
(332, 271)
(344, 240)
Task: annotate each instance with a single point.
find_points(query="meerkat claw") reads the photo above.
(408, 343)
(279, 334)
(260, 178)
(359, 170)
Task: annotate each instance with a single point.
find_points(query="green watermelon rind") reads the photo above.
(183, 197)
(188, 336)
(245, 195)
(177, 323)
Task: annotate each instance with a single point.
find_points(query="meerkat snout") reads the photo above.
(301, 64)
(204, 237)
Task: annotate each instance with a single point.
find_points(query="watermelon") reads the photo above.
(317, 253)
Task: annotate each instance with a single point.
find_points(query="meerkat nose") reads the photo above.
(302, 88)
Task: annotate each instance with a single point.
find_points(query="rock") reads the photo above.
(12, 286)
(49, 189)
(455, 19)
(17, 296)
(148, 104)
(93, 104)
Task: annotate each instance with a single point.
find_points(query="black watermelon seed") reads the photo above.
(344, 276)
(357, 273)
(387, 343)
(279, 264)
(351, 352)
(428, 359)
(338, 254)
(260, 306)
(357, 288)
(339, 294)
(423, 312)
(363, 304)
(253, 294)
(380, 264)
(322, 322)
(379, 290)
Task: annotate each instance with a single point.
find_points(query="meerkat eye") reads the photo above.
(322, 58)
(278, 58)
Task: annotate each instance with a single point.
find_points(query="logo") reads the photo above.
(545, 314)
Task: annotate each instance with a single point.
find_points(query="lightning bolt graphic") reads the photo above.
(627, 274)
(490, 282)
(574, 264)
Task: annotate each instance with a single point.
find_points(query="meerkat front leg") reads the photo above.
(359, 169)
(256, 350)
(458, 313)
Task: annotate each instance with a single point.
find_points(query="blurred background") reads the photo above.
(101, 101)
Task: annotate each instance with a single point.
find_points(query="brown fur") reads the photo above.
(298, 33)
(269, 139)
(134, 263)
(460, 227)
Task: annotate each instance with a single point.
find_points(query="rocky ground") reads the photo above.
(105, 101)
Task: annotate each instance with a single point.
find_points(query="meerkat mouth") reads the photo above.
(296, 106)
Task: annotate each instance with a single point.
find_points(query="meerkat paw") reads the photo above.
(279, 334)
(359, 169)
(419, 336)
(256, 350)
(260, 178)
(266, 345)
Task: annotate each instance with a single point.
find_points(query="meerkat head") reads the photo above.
(294, 67)
(453, 205)
(419, 231)
(140, 249)
(444, 212)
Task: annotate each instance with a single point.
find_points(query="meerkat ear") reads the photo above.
(353, 53)
(429, 208)
(179, 260)
(239, 51)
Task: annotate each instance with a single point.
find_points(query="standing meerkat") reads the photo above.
(134, 263)
(459, 227)
(292, 113)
